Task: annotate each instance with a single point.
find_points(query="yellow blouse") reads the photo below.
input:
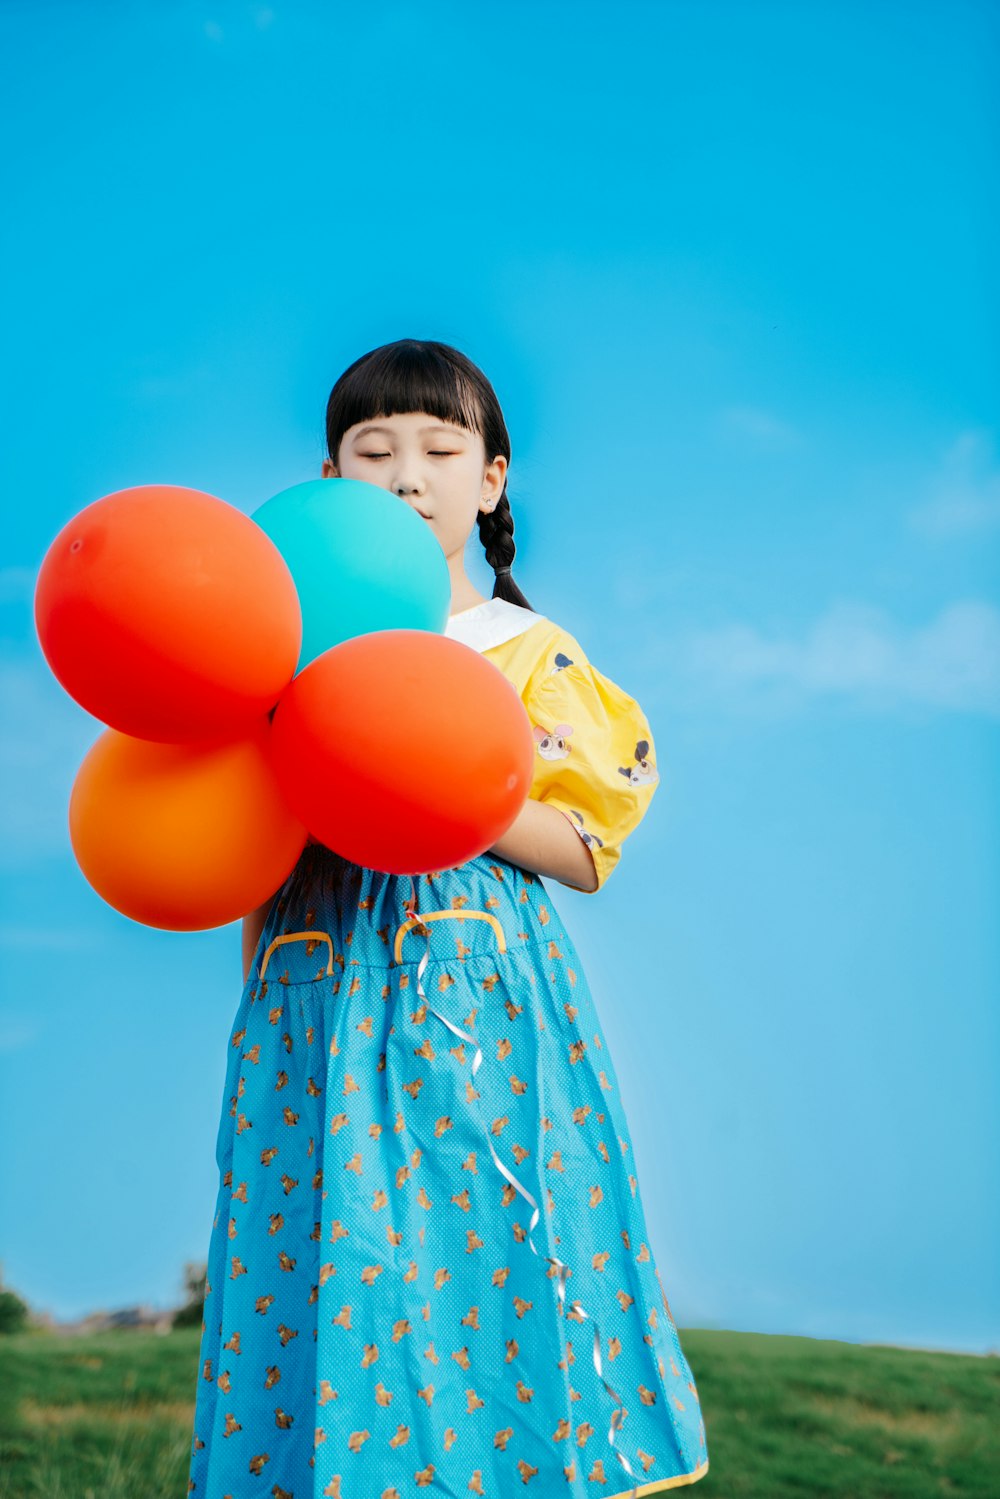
(594, 753)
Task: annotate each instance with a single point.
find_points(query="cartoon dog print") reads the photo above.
(644, 772)
(552, 743)
(589, 838)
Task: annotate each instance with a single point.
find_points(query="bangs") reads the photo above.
(398, 379)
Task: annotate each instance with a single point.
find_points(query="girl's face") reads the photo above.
(437, 467)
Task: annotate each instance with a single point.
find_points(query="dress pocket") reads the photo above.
(480, 938)
(303, 963)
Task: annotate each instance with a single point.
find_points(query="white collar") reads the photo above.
(493, 622)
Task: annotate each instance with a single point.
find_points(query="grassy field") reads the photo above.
(110, 1417)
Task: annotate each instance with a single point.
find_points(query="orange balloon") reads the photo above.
(168, 614)
(181, 836)
(403, 750)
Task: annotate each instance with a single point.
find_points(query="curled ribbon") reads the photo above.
(618, 1415)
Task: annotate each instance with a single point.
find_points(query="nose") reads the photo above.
(408, 477)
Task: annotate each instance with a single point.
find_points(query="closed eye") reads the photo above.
(433, 453)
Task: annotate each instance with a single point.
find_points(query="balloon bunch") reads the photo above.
(266, 679)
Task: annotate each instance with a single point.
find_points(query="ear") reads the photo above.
(494, 475)
(329, 472)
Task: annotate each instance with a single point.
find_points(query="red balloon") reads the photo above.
(182, 836)
(168, 614)
(403, 750)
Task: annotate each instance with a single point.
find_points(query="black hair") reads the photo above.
(417, 374)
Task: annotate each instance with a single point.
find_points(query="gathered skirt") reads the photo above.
(429, 1269)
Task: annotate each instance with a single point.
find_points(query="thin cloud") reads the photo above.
(763, 427)
(173, 385)
(43, 938)
(261, 15)
(17, 584)
(856, 653)
(46, 736)
(964, 495)
(15, 1035)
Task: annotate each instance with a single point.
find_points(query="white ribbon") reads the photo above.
(617, 1416)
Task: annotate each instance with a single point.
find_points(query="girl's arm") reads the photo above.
(253, 925)
(543, 839)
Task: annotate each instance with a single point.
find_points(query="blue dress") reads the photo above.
(429, 1267)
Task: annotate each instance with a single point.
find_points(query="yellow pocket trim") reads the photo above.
(417, 921)
(299, 937)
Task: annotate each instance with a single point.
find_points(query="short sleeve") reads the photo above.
(594, 753)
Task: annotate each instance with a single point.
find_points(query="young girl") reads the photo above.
(429, 1267)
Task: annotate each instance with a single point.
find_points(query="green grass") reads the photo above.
(794, 1417)
(103, 1417)
(110, 1417)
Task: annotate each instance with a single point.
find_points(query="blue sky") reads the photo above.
(728, 268)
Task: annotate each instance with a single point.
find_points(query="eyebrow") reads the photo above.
(452, 431)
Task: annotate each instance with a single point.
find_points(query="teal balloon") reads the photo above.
(361, 558)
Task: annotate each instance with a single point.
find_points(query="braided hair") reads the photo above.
(415, 374)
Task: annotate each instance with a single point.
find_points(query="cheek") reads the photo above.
(372, 473)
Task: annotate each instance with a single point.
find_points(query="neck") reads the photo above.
(463, 594)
